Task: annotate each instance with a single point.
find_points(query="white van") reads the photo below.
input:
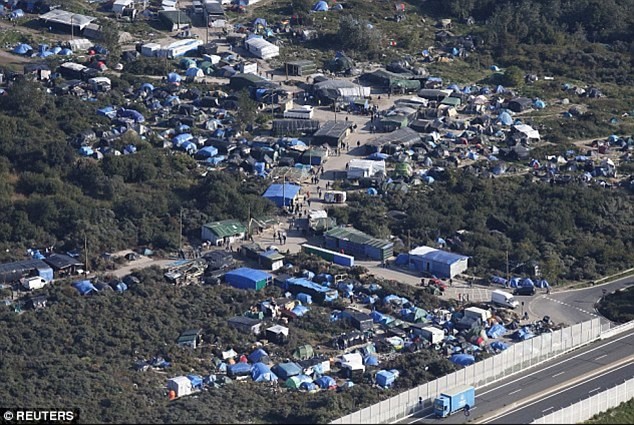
(36, 282)
(504, 299)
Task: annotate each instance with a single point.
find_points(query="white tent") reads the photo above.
(358, 168)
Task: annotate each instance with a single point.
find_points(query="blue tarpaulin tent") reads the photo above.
(371, 360)
(197, 381)
(286, 370)
(282, 194)
(505, 118)
(22, 49)
(206, 152)
(261, 372)
(259, 356)
(304, 298)
(132, 114)
(173, 77)
(325, 382)
(462, 359)
(239, 369)
(384, 378)
(320, 6)
(84, 287)
(496, 331)
(499, 345)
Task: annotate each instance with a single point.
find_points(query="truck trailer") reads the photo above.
(450, 402)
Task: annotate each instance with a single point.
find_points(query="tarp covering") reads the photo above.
(261, 372)
(371, 360)
(499, 345)
(84, 287)
(295, 382)
(22, 49)
(259, 356)
(325, 382)
(384, 378)
(282, 194)
(246, 278)
(239, 368)
(287, 370)
(462, 359)
(320, 6)
(496, 331)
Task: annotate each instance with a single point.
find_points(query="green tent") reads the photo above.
(303, 352)
(403, 169)
(295, 381)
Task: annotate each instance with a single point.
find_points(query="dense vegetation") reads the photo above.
(79, 352)
(618, 306)
(574, 232)
(586, 39)
(49, 195)
(623, 414)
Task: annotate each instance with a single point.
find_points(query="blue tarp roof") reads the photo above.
(84, 287)
(173, 77)
(252, 274)
(384, 378)
(320, 6)
(282, 194)
(462, 359)
(261, 372)
(286, 370)
(132, 114)
(499, 345)
(257, 355)
(443, 257)
(22, 48)
(299, 281)
(239, 368)
(325, 382)
(496, 331)
(181, 138)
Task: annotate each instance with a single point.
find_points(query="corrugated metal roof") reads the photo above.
(226, 228)
(356, 236)
(333, 129)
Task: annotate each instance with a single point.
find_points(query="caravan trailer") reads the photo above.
(334, 197)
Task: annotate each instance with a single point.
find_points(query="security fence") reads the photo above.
(516, 358)
(585, 409)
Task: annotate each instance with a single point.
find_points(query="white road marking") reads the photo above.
(559, 392)
(596, 389)
(516, 391)
(546, 410)
(557, 374)
(600, 357)
(551, 366)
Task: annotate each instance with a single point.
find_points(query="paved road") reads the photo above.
(574, 306)
(542, 380)
(564, 398)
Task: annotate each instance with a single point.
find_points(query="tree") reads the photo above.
(25, 97)
(110, 38)
(513, 76)
(247, 110)
(358, 35)
(302, 6)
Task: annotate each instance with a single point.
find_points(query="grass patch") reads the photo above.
(622, 414)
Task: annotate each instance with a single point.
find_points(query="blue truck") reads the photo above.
(450, 402)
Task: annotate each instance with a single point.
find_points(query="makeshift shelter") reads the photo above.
(326, 382)
(462, 359)
(246, 278)
(259, 356)
(261, 48)
(22, 49)
(496, 331)
(282, 194)
(286, 370)
(295, 382)
(384, 378)
(261, 372)
(85, 287)
(239, 369)
(440, 263)
(320, 6)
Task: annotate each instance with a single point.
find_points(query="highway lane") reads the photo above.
(539, 379)
(574, 306)
(565, 397)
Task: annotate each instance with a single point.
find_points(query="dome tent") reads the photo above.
(22, 49)
(320, 6)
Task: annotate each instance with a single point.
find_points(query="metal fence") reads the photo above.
(516, 358)
(585, 409)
